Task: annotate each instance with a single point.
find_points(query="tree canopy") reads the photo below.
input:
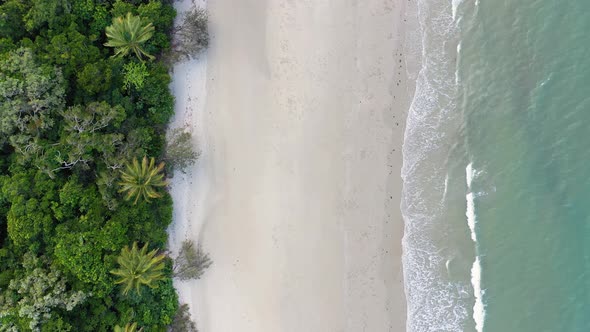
(30, 95)
(126, 35)
(140, 180)
(138, 267)
(72, 117)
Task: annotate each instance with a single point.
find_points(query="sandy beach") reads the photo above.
(298, 108)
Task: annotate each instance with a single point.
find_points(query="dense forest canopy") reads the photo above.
(72, 117)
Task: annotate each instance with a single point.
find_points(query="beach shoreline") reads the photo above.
(299, 112)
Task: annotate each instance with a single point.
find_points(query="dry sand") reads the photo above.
(299, 110)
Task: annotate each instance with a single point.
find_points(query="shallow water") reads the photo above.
(496, 183)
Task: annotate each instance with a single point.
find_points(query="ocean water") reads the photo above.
(496, 196)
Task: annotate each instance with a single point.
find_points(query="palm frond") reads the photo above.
(129, 327)
(126, 34)
(140, 180)
(139, 268)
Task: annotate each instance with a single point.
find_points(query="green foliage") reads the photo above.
(121, 8)
(95, 78)
(86, 138)
(85, 243)
(180, 153)
(67, 127)
(153, 310)
(140, 180)
(29, 218)
(56, 324)
(11, 16)
(100, 20)
(191, 261)
(135, 75)
(97, 314)
(52, 13)
(138, 267)
(129, 327)
(71, 50)
(157, 307)
(87, 255)
(126, 35)
(6, 45)
(82, 9)
(29, 95)
(182, 321)
(39, 290)
(146, 221)
(156, 97)
(162, 16)
(79, 203)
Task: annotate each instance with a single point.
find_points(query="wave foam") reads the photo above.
(436, 302)
(478, 307)
(470, 213)
(455, 5)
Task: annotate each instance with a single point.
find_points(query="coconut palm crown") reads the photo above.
(138, 267)
(126, 34)
(128, 328)
(140, 180)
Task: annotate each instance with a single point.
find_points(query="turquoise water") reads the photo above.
(496, 168)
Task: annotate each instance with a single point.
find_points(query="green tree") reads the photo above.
(180, 153)
(122, 7)
(94, 78)
(46, 12)
(128, 328)
(161, 14)
(11, 15)
(30, 218)
(87, 137)
(70, 50)
(100, 19)
(36, 293)
(30, 95)
(135, 75)
(85, 248)
(140, 180)
(155, 96)
(138, 267)
(126, 35)
(182, 321)
(191, 261)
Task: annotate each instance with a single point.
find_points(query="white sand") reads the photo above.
(296, 195)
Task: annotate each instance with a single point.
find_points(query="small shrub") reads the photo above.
(191, 262)
(180, 153)
(182, 321)
(191, 37)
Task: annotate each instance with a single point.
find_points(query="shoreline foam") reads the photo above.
(478, 307)
(437, 297)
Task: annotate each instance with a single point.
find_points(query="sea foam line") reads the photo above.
(478, 307)
(479, 312)
(470, 213)
(436, 302)
(454, 6)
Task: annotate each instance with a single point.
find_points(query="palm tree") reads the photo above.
(126, 34)
(128, 328)
(140, 180)
(137, 267)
